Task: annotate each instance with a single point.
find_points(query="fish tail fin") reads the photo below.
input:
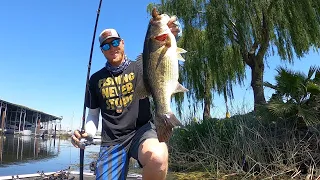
(164, 124)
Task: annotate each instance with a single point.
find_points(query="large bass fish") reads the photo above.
(161, 72)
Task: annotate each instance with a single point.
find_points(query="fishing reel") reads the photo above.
(86, 142)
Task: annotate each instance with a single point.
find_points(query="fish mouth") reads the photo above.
(161, 37)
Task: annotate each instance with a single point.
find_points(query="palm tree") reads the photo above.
(296, 95)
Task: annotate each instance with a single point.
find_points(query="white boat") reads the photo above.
(97, 137)
(63, 175)
(26, 132)
(26, 139)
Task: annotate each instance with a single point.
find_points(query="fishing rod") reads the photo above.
(86, 89)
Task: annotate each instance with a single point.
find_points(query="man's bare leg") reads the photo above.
(153, 156)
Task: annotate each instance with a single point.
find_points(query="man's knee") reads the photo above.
(159, 157)
(154, 154)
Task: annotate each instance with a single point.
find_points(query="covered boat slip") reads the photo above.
(18, 119)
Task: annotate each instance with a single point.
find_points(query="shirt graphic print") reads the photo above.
(117, 91)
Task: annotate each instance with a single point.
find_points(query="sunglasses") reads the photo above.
(107, 46)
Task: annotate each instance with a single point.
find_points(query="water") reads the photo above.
(28, 154)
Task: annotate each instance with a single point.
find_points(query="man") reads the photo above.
(127, 127)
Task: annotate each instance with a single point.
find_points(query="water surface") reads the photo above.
(28, 155)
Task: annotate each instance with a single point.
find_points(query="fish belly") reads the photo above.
(163, 76)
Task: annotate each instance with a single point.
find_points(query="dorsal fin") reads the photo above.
(139, 57)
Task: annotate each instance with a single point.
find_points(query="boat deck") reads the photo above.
(65, 176)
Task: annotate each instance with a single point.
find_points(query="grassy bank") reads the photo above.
(246, 146)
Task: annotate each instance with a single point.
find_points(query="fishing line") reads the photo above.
(86, 88)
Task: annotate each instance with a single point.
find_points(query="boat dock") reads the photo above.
(19, 119)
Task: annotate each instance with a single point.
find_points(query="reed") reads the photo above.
(250, 145)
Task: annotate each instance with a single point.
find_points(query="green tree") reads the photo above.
(296, 95)
(202, 73)
(252, 30)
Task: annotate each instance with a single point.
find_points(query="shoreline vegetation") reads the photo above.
(280, 139)
(249, 146)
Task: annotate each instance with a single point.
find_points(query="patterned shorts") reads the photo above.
(113, 161)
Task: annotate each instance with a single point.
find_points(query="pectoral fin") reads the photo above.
(180, 50)
(180, 88)
(179, 57)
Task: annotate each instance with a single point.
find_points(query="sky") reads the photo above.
(45, 48)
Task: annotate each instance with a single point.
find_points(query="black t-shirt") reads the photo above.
(104, 94)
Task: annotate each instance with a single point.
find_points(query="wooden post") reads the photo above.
(1, 148)
(10, 118)
(38, 126)
(38, 123)
(24, 119)
(15, 122)
(55, 128)
(4, 114)
(20, 121)
(2, 130)
(59, 128)
(35, 122)
(52, 130)
(18, 148)
(48, 125)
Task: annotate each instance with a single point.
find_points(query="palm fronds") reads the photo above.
(296, 95)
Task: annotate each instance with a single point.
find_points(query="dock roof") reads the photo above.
(11, 105)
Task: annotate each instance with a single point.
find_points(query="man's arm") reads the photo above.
(92, 122)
